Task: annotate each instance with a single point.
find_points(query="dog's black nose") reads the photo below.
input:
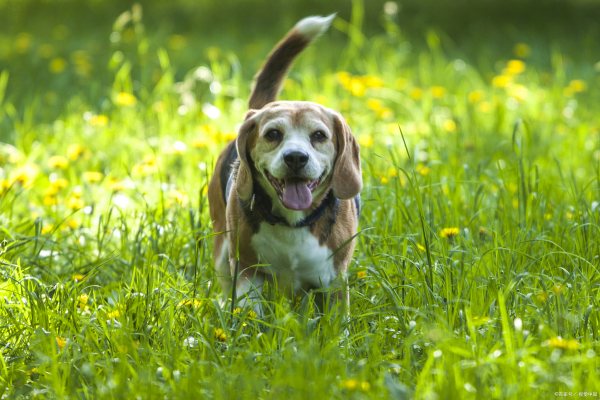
(295, 159)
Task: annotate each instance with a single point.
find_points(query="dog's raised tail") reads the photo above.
(269, 79)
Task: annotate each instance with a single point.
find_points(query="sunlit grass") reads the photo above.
(477, 269)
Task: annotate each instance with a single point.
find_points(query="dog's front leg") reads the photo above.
(247, 289)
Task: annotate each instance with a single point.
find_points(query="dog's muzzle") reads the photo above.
(295, 160)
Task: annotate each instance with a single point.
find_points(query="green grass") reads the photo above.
(476, 273)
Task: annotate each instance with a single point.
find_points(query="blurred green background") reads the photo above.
(39, 39)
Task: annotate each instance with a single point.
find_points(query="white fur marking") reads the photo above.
(222, 267)
(312, 27)
(223, 259)
(248, 291)
(296, 259)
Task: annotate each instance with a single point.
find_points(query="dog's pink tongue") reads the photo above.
(296, 195)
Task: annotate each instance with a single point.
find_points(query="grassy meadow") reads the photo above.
(477, 269)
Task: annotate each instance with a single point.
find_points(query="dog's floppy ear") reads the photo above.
(347, 177)
(244, 184)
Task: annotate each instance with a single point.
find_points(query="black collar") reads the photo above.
(259, 208)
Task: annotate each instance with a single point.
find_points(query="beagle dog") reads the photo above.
(284, 194)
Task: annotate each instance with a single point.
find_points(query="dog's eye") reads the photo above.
(318, 136)
(273, 135)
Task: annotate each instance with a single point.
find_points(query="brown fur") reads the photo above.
(271, 75)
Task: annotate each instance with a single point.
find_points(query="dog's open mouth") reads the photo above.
(294, 193)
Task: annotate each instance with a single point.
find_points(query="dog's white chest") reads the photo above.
(294, 256)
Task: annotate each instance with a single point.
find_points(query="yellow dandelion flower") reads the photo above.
(475, 96)
(354, 384)
(61, 342)
(75, 151)
(514, 67)
(366, 140)
(58, 162)
(201, 143)
(379, 108)
(438, 92)
(343, 77)
(522, 50)
(361, 274)
(143, 169)
(150, 159)
(372, 81)
(75, 202)
(357, 88)
(57, 65)
(449, 125)
(231, 135)
(449, 233)
(83, 300)
(501, 81)
(58, 184)
(416, 93)
(46, 229)
(578, 85)
(51, 191)
(392, 172)
(423, 169)
(125, 99)
(541, 297)
(190, 303)
(518, 92)
(251, 313)
(558, 288)
(350, 384)
(99, 120)
(116, 184)
(575, 86)
(114, 314)
(50, 200)
(355, 85)
(564, 344)
(485, 107)
(4, 185)
(72, 223)
(148, 166)
(384, 180)
(22, 42)
(220, 335)
(93, 176)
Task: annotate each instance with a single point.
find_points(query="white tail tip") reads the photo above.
(314, 26)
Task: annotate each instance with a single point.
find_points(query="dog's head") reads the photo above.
(298, 152)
